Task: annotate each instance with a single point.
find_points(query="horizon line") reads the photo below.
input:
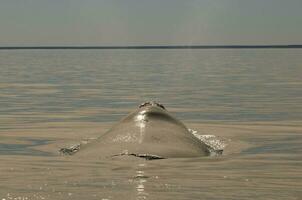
(157, 47)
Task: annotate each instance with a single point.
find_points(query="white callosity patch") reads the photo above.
(140, 122)
(215, 145)
(128, 137)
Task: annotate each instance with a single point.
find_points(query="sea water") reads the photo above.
(249, 98)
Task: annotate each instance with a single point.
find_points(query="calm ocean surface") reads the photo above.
(251, 98)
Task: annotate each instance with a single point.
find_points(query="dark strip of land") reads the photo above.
(159, 47)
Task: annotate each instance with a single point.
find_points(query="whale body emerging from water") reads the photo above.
(150, 132)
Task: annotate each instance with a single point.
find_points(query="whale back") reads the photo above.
(150, 131)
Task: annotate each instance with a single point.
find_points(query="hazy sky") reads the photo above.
(150, 22)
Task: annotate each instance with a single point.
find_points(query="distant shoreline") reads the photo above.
(159, 47)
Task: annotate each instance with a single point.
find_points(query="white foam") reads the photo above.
(215, 145)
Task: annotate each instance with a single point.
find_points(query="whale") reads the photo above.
(149, 132)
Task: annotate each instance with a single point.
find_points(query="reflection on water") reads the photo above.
(51, 99)
(141, 180)
(25, 149)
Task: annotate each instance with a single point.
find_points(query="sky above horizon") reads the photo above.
(150, 22)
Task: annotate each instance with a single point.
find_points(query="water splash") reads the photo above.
(214, 144)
